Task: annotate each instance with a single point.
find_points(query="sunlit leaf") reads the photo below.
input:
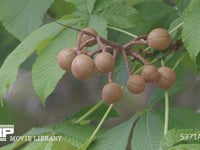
(147, 133)
(191, 29)
(24, 16)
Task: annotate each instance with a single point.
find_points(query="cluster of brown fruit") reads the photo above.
(80, 62)
(83, 63)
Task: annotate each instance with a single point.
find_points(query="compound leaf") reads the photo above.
(121, 16)
(24, 16)
(46, 73)
(175, 136)
(186, 147)
(9, 69)
(115, 138)
(191, 29)
(147, 133)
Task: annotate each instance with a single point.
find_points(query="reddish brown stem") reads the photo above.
(86, 42)
(138, 56)
(112, 44)
(78, 48)
(141, 40)
(102, 46)
(110, 75)
(126, 62)
(176, 45)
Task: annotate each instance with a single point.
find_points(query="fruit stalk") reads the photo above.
(139, 57)
(140, 40)
(166, 112)
(110, 74)
(88, 113)
(101, 45)
(126, 62)
(78, 49)
(100, 123)
(166, 106)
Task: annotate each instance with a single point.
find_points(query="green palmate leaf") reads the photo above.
(177, 136)
(90, 4)
(147, 133)
(49, 145)
(7, 116)
(60, 8)
(38, 145)
(85, 145)
(24, 16)
(184, 118)
(95, 115)
(83, 5)
(32, 132)
(115, 138)
(191, 29)
(178, 22)
(62, 145)
(181, 5)
(9, 69)
(75, 134)
(120, 74)
(8, 147)
(46, 73)
(99, 24)
(186, 147)
(155, 14)
(7, 44)
(39, 131)
(102, 4)
(133, 2)
(121, 16)
(13, 145)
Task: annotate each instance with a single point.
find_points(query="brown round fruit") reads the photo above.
(167, 77)
(82, 67)
(159, 39)
(136, 84)
(104, 62)
(112, 92)
(150, 73)
(86, 37)
(65, 58)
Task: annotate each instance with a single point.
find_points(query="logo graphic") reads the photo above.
(5, 130)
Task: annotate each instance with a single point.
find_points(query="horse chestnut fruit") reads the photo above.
(150, 73)
(167, 77)
(82, 67)
(65, 58)
(86, 37)
(136, 84)
(112, 92)
(159, 39)
(104, 62)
